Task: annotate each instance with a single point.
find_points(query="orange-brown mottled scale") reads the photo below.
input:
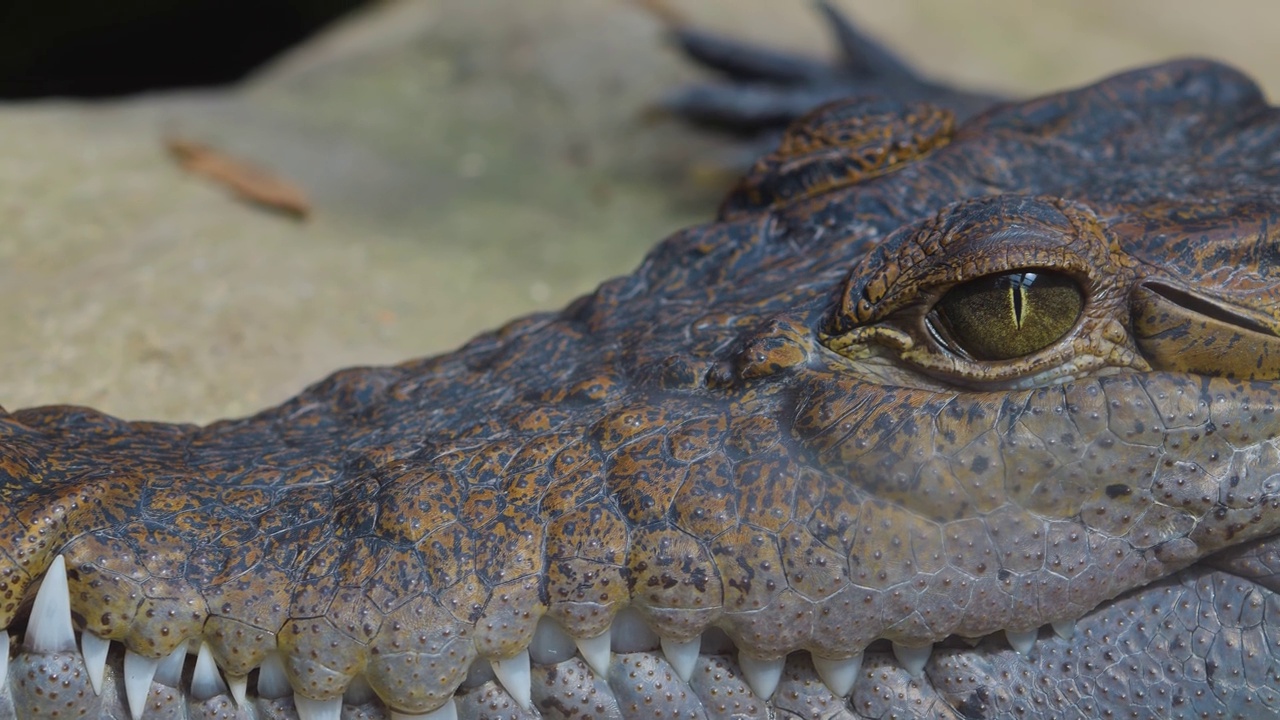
(586, 575)
(763, 428)
(840, 144)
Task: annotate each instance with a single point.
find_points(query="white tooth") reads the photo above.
(1021, 642)
(550, 644)
(358, 692)
(912, 659)
(169, 671)
(762, 675)
(447, 711)
(4, 658)
(309, 709)
(478, 674)
(94, 649)
(206, 681)
(838, 675)
(513, 673)
(273, 683)
(239, 688)
(682, 654)
(1065, 629)
(630, 633)
(138, 672)
(596, 652)
(49, 629)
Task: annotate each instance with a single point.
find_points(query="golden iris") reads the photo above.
(1008, 315)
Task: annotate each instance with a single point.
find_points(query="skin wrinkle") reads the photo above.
(428, 515)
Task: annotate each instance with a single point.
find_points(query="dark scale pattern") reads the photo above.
(760, 431)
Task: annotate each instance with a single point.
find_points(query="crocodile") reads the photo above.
(951, 412)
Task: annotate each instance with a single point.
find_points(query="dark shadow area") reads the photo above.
(91, 48)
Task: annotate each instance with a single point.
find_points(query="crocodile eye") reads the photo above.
(1005, 316)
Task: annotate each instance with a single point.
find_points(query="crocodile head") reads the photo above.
(935, 421)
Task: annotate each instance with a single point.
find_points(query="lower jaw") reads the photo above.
(639, 685)
(1193, 644)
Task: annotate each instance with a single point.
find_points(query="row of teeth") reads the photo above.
(50, 630)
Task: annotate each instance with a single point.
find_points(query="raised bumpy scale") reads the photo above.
(923, 382)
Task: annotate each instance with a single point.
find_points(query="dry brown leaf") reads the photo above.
(246, 180)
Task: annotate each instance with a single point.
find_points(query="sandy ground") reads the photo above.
(469, 160)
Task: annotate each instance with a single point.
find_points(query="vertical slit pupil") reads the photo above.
(1018, 284)
(1007, 315)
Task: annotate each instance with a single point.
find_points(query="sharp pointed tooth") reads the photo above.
(447, 711)
(478, 674)
(273, 683)
(596, 651)
(838, 675)
(206, 681)
(169, 671)
(239, 688)
(49, 629)
(138, 672)
(1065, 629)
(682, 655)
(95, 649)
(550, 644)
(912, 659)
(513, 673)
(309, 709)
(4, 658)
(762, 675)
(1021, 642)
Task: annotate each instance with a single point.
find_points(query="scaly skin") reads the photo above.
(756, 432)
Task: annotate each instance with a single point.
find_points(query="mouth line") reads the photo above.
(50, 659)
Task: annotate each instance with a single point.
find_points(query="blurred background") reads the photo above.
(95, 49)
(466, 161)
